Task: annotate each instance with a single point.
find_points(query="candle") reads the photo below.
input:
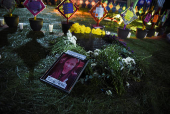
(51, 28)
(21, 26)
(1, 22)
(129, 35)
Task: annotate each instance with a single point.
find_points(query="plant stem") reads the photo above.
(35, 18)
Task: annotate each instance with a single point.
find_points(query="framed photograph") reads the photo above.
(65, 71)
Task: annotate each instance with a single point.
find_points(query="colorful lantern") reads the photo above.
(111, 5)
(117, 7)
(98, 12)
(67, 9)
(34, 6)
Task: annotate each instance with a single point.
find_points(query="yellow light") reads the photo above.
(118, 7)
(81, 1)
(93, 3)
(105, 4)
(87, 2)
(124, 7)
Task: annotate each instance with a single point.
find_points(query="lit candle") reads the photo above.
(21, 26)
(1, 22)
(51, 28)
(129, 35)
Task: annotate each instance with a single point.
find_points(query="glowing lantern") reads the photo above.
(118, 7)
(111, 5)
(81, 2)
(93, 3)
(87, 2)
(124, 7)
(105, 4)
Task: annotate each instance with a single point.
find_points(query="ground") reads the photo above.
(26, 55)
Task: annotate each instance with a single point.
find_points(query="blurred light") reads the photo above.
(87, 2)
(111, 5)
(81, 1)
(93, 3)
(105, 4)
(118, 7)
(124, 7)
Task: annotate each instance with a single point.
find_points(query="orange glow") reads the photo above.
(110, 5)
(93, 3)
(105, 4)
(87, 2)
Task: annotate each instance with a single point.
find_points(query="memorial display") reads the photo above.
(35, 7)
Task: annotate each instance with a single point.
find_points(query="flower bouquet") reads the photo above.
(35, 7)
(11, 19)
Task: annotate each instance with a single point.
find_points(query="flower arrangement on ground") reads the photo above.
(112, 68)
(76, 28)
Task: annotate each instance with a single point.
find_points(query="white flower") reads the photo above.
(93, 64)
(108, 92)
(107, 33)
(96, 50)
(127, 84)
(89, 53)
(95, 54)
(69, 34)
(119, 58)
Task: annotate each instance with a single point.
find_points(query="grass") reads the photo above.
(26, 56)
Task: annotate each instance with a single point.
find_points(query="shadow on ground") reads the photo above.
(32, 52)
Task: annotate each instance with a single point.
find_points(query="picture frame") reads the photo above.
(65, 71)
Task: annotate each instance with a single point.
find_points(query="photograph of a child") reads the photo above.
(66, 71)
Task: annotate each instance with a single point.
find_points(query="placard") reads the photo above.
(34, 6)
(65, 71)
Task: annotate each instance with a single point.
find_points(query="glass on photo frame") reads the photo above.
(65, 71)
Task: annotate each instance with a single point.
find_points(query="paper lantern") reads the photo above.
(67, 8)
(34, 6)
